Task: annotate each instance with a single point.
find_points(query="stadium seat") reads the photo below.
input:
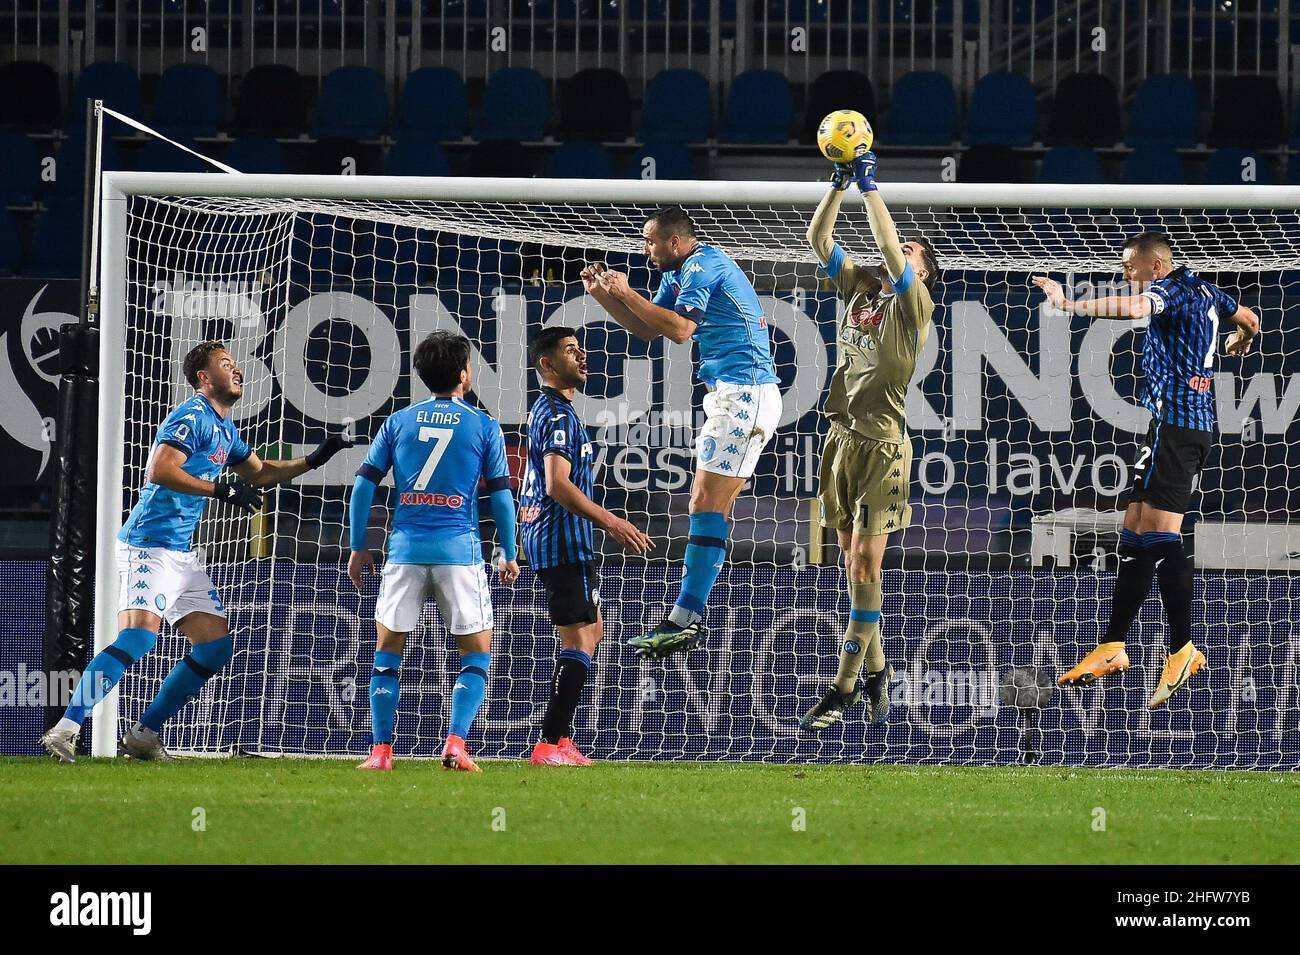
(1085, 111)
(1227, 166)
(581, 161)
(70, 165)
(1071, 164)
(989, 163)
(56, 241)
(29, 98)
(416, 157)
(256, 154)
(11, 247)
(20, 170)
(595, 105)
(760, 109)
(1154, 164)
(332, 157)
(1166, 112)
(922, 110)
(671, 161)
(114, 83)
(159, 156)
(190, 101)
(1003, 111)
(270, 102)
(1247, 113)
(516, 105)
(678, 108)
(353, 104)
(432, 106)
(836, 89)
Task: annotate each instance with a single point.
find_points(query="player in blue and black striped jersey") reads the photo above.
(557, 512)
(1178, 357)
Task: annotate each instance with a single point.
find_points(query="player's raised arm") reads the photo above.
(570, 497)
(649, 315)
(261, 473)
(592, 284)
(1111, 306)
(821, 231)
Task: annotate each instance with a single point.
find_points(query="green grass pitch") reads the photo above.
(326, 811)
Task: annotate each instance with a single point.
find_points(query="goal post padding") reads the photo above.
(321, 285)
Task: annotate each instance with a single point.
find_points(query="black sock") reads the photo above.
(1132, 584)
(1174, 569)
(571, 668)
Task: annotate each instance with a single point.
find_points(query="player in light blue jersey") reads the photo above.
(159, 576)
(438, 450)
(702, 296)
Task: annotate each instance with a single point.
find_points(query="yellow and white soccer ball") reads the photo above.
(844, 135)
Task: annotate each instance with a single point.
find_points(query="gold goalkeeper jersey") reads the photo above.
(879, 336)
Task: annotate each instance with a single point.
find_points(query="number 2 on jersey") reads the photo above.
(441, 438)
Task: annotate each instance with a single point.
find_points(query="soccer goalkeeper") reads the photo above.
(867, 459)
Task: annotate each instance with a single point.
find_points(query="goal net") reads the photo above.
(1024, 423)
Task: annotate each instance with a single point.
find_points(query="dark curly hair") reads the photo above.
(198, 358)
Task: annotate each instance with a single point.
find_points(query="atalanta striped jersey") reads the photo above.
(552, 535)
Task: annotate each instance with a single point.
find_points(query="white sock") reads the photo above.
(66, 725)
(682, 617)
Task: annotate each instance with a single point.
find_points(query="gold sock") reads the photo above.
(863, 629)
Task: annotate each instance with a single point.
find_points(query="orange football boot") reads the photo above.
(550, 754)
(568, 748)
(455, 755)
(381, 757)
(1179, 668)
(1108, 658)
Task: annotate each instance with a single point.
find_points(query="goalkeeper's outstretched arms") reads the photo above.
(821, 231)
(254, 473)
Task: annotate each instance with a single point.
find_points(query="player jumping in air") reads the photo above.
(1178, 389)
(703, 295)
(557, 513)
(159, 576)
(867, 460)
(438, 450)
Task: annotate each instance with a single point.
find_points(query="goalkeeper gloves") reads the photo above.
(842, 176)
(327, 449)
(864, 172)
(239, 494)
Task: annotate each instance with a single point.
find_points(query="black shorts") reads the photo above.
(572, 594)
(1167, 464)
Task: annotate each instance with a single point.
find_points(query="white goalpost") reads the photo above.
(1024, 423)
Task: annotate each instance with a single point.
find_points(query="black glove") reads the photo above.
(327, 449)
(239, 494)
(842, 177)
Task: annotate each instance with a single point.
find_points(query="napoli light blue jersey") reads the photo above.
(731, 330)
(437, 450)
(166, 518)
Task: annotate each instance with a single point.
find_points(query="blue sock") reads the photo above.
(105, 671)
(467, 695)
(385, 690)
(706, 550)
(186, 679)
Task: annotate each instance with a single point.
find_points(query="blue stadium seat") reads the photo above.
(56, 242)
(671, 161)
(11, 247)
(432, 106)
(70, 165)
(20, 170)
(1247, 112)
(39, 108)
(836, 89)
(190, 101)
(1071, 164)
(1154, 164)
(353, 104)
(1166, 112)
(596, 106)
(760, 109)
(256, 154)
(581, 161)
(114, 83)
(417, 157)
(1227, 166)
(270, 101)
(159, 156)
(516, 105)
(678, 108)
(1003, 111)
(1085, 111)
(922, 110)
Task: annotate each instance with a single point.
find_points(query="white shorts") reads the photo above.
(464, 601)
(169, 583)
(739, 422)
